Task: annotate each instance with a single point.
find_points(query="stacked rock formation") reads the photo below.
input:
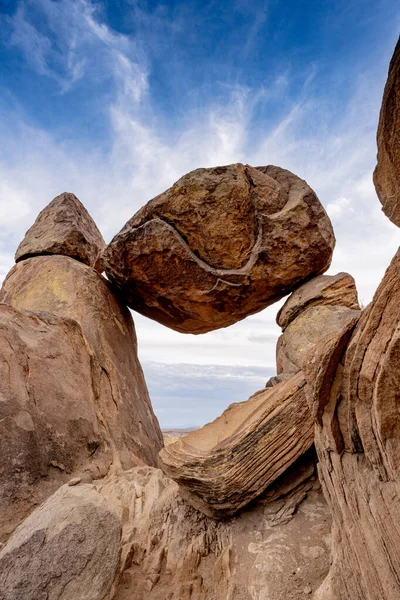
(219, 245)
(353, 390)
(229, 462)
(324, 305)
(74, 399)
(77, 406)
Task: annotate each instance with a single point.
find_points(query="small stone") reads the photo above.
(307, 589)
(74, 481)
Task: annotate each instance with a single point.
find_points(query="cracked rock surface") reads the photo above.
(220, 244)
(64, 227)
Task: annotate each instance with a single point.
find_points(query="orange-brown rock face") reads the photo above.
(304, 332)
(68, 288)
(386, 175)
(353, 389)
(50, 424)
(224, 465)
(326, 290)
(63, 227)
(354, 397)
(219, 245)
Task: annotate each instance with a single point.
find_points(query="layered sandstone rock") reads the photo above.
(65, 287)
(63, 227)
(386, 175)
(68, 549)
(353, 389)
(326, 290)
(50, 425)
(220, 244)
(354, 397)
(229, 462)
(171, 551)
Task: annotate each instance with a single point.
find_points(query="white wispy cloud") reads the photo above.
(335, 153)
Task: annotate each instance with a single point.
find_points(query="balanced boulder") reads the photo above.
(220, 244)
(63, 227)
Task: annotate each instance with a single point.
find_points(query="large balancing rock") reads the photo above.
(65, 287)
(386, 175)
(227, 463)
(220, 244)
(49, 427)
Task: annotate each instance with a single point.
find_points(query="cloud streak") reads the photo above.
(143, 150)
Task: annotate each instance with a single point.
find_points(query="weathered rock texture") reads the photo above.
(358, 443)
(386, 175)
(75, 398)
(68, 288)
(63, 227)
(353, 388)
(68, 549)
(306, 330)
(229, 462)
(49, 421)
(220, 244)
(326, 290)
(170, 551)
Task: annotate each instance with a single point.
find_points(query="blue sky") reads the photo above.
(115, 100)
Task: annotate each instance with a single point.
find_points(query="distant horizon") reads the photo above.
(115, 101)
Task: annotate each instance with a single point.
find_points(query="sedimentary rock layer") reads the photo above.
(358, 443)
(353, 392)
(68, 288)
(171, 551)
(63, 227)
(219, 245)
(386, 175)
(229, 462)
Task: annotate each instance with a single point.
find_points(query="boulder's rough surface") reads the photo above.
(354, 397)
(306, 330)
(49, 425)
(220, 244)
(68, 288)
(353, 390)
(63, 227)
(328, 290)
(386, 175)
(170, 551)
(67, 549)
(229, 462)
